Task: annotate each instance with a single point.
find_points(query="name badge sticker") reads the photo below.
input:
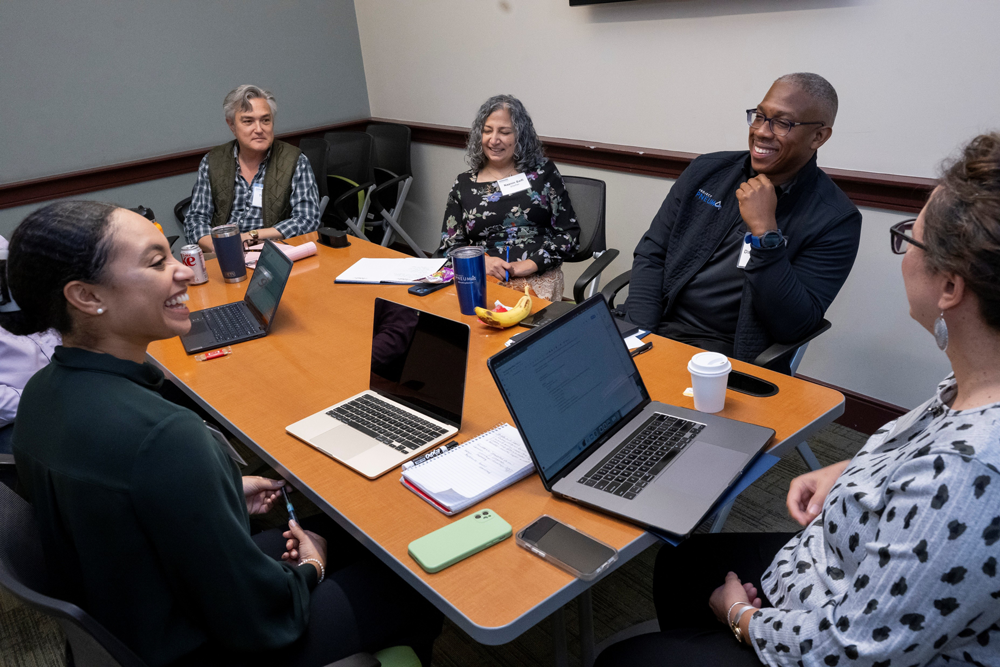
(512, 184)
(744, 256)
(258, 196)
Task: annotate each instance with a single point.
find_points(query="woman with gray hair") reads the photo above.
(512, 201)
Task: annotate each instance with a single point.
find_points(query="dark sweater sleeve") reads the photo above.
(645, 290)
(791, 296)
(189, 496)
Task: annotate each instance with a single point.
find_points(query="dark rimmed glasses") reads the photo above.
(900, 234)
(779, 126)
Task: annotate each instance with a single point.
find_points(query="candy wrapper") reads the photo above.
(214, 354)
(443, 275)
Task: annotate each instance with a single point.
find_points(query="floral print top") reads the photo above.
(537, 223)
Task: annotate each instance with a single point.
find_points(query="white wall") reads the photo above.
(915, 77)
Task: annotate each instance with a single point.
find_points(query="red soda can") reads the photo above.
(193, 257)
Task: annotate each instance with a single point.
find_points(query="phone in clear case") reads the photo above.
(566, 547)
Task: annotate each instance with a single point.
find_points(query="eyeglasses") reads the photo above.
(900, 234)
(779, 126)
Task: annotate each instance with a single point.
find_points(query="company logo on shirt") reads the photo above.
(707, 198)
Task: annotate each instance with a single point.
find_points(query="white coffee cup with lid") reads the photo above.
(709, 377)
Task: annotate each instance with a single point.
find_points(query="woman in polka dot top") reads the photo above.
(897, 564)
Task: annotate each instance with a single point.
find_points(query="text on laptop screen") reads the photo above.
(268, 282)
(570, 386)
(419, 359)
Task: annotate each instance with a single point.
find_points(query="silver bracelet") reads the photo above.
(730, 612)
(322, 570)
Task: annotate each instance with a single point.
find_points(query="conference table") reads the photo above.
(318, 353)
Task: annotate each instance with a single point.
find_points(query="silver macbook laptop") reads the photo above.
(247, 319)
(596, 437)
(415, 396)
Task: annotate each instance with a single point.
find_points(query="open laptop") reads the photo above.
(596, 437)
(415, 396)
(246, 319)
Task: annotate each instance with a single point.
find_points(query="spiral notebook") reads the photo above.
(468, 473)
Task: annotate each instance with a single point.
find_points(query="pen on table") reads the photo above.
(507, 273)
(288, 506)
(642, 348)
(429, 455)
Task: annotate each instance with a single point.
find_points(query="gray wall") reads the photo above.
(91, 83)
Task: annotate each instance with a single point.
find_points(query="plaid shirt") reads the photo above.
(304, 199)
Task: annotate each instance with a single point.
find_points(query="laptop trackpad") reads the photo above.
(703, 471)
(343, 442)
(198, 326)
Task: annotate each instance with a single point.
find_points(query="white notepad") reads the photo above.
(372, 270)
(470, 472)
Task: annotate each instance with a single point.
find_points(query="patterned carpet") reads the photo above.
(620, 601)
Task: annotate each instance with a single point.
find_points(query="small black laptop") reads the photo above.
(246, 319)
(596, 437)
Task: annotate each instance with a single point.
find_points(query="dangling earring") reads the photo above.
(100, 311)
(941, 332)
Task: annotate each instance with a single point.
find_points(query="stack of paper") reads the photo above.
(403, 271)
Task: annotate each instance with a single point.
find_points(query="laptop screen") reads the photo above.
(419, 360)
(268, 282)
(568, 384)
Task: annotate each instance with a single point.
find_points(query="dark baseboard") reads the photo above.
(862, 413)
(887, 191)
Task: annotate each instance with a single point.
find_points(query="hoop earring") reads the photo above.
(100, 311)
(941, 332)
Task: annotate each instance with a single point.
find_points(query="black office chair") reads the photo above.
(773, 357)
(181, 209)
(588, 196)
(88, 643)
(350, 180)
(393, 179)
(315, 149)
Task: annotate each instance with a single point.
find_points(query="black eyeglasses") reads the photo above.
(778, 126)
(900, 234)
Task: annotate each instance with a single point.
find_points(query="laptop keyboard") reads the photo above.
(230, 322)
(387, 423)
(637, 461)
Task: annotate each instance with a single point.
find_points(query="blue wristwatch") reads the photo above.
(770, 239)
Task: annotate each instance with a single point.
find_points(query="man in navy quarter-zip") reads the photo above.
(751, 247)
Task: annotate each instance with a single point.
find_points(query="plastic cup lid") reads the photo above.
(709, 363)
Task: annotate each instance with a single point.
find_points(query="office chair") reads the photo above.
(88, 643)
(392, 178)
(775, 354)
(181, 209)
(588, 196)
(350, 179)
(315, 149)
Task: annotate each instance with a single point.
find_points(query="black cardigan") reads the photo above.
(786, 290)
(142, 515)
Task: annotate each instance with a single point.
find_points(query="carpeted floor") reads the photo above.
(620, 601)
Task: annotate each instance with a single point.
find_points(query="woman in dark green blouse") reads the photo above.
(512, 201)
(144, 518)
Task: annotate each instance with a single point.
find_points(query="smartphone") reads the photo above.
(748, 384)
(566, 547)
(423, 289)
(456, 541)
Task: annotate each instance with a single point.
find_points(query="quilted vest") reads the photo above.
(277, 182)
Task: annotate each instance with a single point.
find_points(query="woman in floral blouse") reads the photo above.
(897, 565)
(527, 228)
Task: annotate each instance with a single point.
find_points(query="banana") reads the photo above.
(508, 318)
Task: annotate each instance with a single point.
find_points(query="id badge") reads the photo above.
(512, 184)
(744, 256)
(258, 196)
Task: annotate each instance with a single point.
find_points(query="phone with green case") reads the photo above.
(446, 546)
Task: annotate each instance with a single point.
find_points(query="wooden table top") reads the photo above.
(318, 353)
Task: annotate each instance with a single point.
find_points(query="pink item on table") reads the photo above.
(293, 252)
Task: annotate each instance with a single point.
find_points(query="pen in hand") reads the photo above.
(288, 506)
(507, 273)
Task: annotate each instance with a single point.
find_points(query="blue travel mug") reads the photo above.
(229, 251)
(469, 263)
